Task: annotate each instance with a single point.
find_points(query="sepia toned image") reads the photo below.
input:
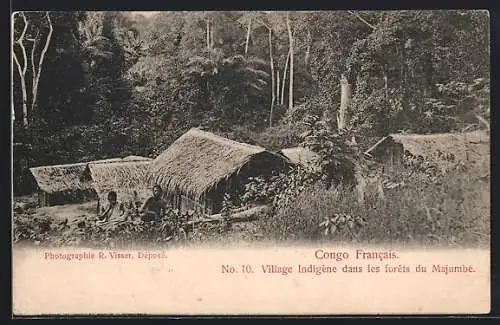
(251, 162)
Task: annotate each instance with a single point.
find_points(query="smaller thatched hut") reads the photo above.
(127, 176)
(471, 146)
(80, 182)
(61, 184)
(199, 168)
(301, 156)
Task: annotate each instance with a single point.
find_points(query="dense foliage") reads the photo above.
(93, 85)
(113, 83)
(418, 203)
(86, 230)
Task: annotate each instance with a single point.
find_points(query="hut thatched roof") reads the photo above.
(124, 176)
(61, 178)
(301, 155)
(199, 160)
(72, 177)
(463, 146)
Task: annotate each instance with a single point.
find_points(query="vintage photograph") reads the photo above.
(188, 128)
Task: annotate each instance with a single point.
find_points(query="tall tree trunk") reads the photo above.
(428, 73)
(32, 58)
(283, 82)
(249, 29)
(404, 101)
(40, 63)
(277, 85)
(290, 39)
(386, 96)
(22, 70)
(208, 35)
(345, 103)
(271, 63)
(24, 93)
(386, 86)
(212, 41)
(308, 49)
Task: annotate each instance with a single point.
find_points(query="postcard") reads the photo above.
(251, 162)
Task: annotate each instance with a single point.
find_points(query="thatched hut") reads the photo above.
(301, 156)
(454, 147)
(127, 176)
(61, 184)
(80, 182)
(199, 168)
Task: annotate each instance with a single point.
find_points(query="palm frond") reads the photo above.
(262, 82)
(98, 38)
(96, 52)
(199, 60)
(255, 73)
(254, 86)
(256, 62)
(193, 70)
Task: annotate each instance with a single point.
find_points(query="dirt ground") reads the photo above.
(240, 232)
(27, 205)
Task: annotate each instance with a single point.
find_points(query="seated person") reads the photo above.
(155, 207)
(112, 209)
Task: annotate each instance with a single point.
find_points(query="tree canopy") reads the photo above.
(100, 84)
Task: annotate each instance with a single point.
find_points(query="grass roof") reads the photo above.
(471, 148)
(464, 146)
(77, 177)
(199, 160)
(61, 178)
(301, 155)
(125, 176)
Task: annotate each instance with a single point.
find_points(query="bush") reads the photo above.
(299, 218)
(88, 231)
(337, 159)
(279, 188)
(451, 212)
